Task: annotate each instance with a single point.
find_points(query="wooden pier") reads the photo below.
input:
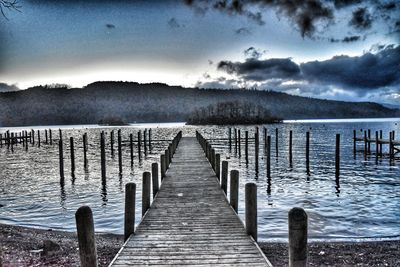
(190, 221)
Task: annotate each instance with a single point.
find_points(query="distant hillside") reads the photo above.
(156, 102)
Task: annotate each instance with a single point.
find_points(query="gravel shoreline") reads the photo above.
(21, 246)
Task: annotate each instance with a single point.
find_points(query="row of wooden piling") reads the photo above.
(297, 222)
(378, 141)
(84, 216)
(139, 142)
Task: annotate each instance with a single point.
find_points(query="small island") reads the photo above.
(228, 113)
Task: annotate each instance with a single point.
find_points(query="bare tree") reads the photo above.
(8, 5)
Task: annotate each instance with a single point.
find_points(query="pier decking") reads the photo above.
(190, 221)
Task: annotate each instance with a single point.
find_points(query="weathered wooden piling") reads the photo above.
(391, 150)
(355, 142)
(369, 141)
(46, 137)
(86, 238)
(163, 166)
(365, 144)
(146, 184)
(298, 238)
(102, 156)
(33, 136)
(145, 142)
(131, 147)
(38, 137)
(218, 166)
(120, 151)
(85, 146)
(112, 142)
(246, 146)
(167, 162)
(308, 152)
(224, 176)
(130, 201)
(61, 159)
(268, 156)
(256, 149)
(236, 143)
(139, 145)
(239, 143)
(72, 151)
(150, 146)
(251, 209)
(230, 139)
(376, 146)
(154, 176)
(337, 156)
(276, 143)
(50, 137)
(234, 190)
(265, 138)
(380, 145)
(290, 147)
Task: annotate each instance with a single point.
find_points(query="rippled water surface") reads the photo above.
(365, 202)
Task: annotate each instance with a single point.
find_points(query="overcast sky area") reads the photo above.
(333, 49)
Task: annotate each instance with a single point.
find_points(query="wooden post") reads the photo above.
(365, 144)
(391, 150)
(139, 145)
(112, 142)
(51, 137)
(276, 142)
(230, 139)
(86, 239)
(145, 142)
(119, 151)
(369, 141)
(239, 143)
(256, 149)
(269, 156)
(290, 148)
(376, 146)
(224, 176)
(71, 146)
(102, 156)
(85, 150)
(33, 136)
(308, 152)
(355, 142)
(131, 147)
(218, 166)
(154, 176)
(61, 158)
(146, 184)
(337, 156)
(46, 136)
(213, 158)
(166, 152)
(265, 139)
(246, 146)
(297, 238)
(130, 201)
(251, 209)
(38, 136)
(381, 144)
(234, 190)
(163, 166)
(150, 147)
(236, 144)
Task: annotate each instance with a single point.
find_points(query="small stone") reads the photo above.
(50, 247)
(321, 253)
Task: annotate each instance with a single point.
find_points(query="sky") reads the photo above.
(331, 49)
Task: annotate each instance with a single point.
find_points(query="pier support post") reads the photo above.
(146, 184)
(61, 159)
(251, 209)
(269, 156)
(369, 141)
(224, 176)
(337, 156)
(234, 190)
(71, 145)
(218, 166)
(131, 147)
(276, 143)
(256, 149)
(112, 142)
(355, 142)
(290, 148)
(154, 176)
(308, 153)
(139, 145)
(297, 238)
(86, 239)
(246, 146)
(130, 200)
(119, 152)
(376, 146)
(102, 156)
(230, 139)
(239, 143)
(50, 137)
(163, 166)
(85, 145)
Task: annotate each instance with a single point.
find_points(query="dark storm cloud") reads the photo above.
(8, 88)
(347, 39)
(361, 19)
(306, 15)
(369, 71)
(260, 70)
(110, 26)
(252, 52)
(366, 72)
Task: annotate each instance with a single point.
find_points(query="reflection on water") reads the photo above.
(364, 201)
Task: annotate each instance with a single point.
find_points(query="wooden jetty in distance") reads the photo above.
(394, 145)
(190, 221)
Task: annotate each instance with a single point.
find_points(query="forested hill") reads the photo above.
(133, 102)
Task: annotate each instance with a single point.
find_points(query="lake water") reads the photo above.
(365, 203)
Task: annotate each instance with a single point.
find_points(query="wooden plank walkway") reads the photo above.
(190, 222)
